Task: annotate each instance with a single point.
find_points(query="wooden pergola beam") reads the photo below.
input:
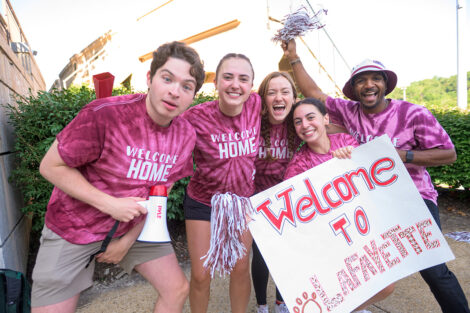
(201, 36)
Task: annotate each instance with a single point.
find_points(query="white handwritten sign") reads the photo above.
(338, 233)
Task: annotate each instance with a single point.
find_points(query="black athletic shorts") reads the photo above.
(195, 210)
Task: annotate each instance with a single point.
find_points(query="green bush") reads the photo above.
(457, 124)
(439, 95)
(37, 120)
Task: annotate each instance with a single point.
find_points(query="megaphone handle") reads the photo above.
(105, 242)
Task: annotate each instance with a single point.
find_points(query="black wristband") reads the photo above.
(409, 156)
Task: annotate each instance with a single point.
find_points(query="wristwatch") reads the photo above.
(409, 156)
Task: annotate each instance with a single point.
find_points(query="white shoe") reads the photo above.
(281, 308)
(262, 309)
(361, 311)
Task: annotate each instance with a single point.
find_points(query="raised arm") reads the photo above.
(72, 182)
(307, 85)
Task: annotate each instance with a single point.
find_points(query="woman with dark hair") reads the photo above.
(310, 120)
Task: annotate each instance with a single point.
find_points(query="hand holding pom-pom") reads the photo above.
(298, 23)
(229, 220)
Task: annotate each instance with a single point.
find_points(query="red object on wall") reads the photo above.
(103, 85)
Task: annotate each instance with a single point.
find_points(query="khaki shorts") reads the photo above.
(60, 272)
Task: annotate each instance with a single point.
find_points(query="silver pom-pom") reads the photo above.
(228, 223)
(298, 23)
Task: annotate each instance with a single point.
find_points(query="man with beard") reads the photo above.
(416, 134)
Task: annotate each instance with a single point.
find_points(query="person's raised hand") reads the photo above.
(290, 49)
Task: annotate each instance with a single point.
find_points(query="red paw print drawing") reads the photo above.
(307, 305)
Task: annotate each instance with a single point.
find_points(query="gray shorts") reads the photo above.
(60, 273)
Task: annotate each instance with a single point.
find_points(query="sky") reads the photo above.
(414, 38)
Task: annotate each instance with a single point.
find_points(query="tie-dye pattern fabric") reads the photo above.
(409, 126)
(226, 148)
(270, 171)
(305, 158)
(118, 148)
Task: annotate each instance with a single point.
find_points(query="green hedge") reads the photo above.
(440, 96)
(37, 120)
(457, 124)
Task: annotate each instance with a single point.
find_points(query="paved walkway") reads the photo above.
(133, 294)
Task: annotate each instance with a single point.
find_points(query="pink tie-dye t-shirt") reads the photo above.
(270, 171)
(118, 148)
(305, 158)
(409, 126)
(225, 149)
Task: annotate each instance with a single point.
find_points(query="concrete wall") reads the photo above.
(19, 76)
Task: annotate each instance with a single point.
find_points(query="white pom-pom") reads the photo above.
(228, 223)
(298, 23)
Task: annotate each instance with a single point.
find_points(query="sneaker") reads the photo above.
(281, 308)
(262, 309)
(361, 311)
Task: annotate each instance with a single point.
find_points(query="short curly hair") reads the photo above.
(181, 51)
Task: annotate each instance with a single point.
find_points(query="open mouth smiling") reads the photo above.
(234, 94)
(279, 108)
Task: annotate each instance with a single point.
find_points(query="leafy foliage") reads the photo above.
(437, 91)
(457, 124)
(37, 120)
(439, 95)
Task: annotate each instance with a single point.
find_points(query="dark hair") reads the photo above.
(235, 56)
(181, 51)
(313, 101)
(265, 125)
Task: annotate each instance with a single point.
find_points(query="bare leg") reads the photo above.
(240, 280)
(67, 306)
(168, 279)
(198, 234)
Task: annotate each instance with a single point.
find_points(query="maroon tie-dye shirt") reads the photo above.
(118, 148)
(305, 158)
(409, 126)
(270, 171)
(225, 151)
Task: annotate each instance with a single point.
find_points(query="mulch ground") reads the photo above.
(454, 201)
